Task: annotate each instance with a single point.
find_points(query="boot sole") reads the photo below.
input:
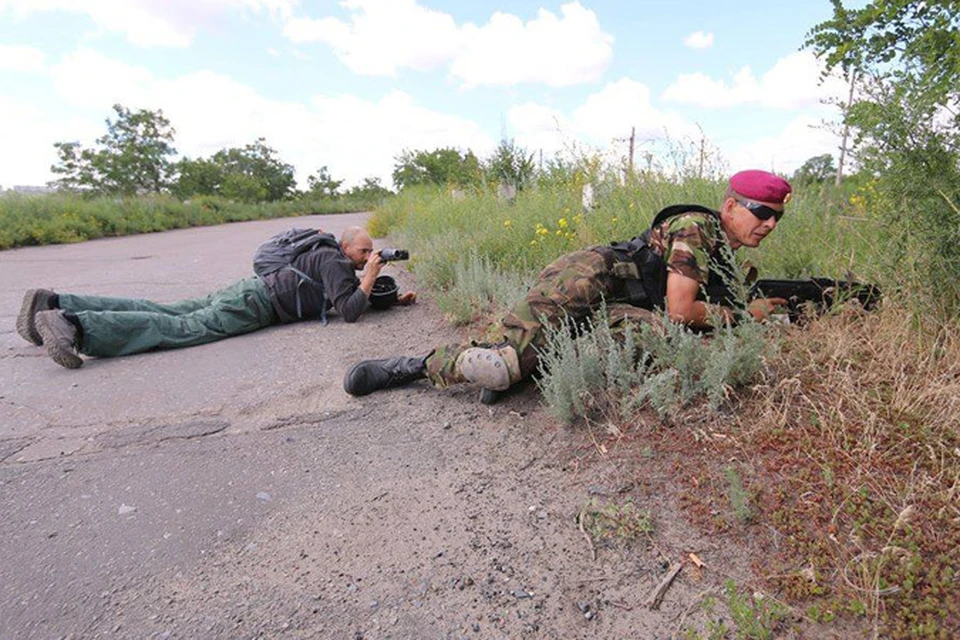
(63, 356)
(25, 324)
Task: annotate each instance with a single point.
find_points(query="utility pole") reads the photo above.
(703, 143)
(846, 129)
(633, 133)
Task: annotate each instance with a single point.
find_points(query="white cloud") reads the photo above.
(354, 137)
(167, 23)
(557, 51)
(90, 80)
(385, 36)
(699, 40)
(31, 132)
(603, 122)
(623, 104)
(382, 36)
(784, 151)
(19, 58)
(792, 82)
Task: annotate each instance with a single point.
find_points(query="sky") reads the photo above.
(350, 85)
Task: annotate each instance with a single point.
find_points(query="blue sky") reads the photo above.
(351, 84)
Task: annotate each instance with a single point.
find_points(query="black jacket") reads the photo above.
(340, 290)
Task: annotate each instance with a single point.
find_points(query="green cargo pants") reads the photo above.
(570, 289)
(121, 326)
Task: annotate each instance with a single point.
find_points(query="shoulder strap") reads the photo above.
(680, 209)
(323, 297)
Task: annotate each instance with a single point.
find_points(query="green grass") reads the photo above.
(27, 220)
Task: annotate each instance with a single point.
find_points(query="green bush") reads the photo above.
(667, 368)
(62, 217)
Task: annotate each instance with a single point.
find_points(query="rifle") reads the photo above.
(821, 293)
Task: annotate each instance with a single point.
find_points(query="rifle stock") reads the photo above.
(822, 293)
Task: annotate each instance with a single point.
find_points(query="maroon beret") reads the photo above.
(761, 185)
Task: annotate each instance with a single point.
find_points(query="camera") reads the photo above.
(389, 255)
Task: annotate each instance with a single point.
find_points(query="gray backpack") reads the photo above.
(281, 250)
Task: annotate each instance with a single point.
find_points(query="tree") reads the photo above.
(254, 173)
(815, 170)
(440, 167)
(510, 164)
(131, 158)
(905, 57)
(370, 189)
(322, 185)
(198, 177)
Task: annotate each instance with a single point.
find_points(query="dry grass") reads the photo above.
(857, 450)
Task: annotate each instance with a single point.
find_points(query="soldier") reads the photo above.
(68, 325)
(670, 266)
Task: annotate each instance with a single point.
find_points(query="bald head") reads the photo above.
(356, 245)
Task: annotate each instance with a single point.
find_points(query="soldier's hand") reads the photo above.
(761, 308)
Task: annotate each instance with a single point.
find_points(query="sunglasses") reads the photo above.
(761, 211)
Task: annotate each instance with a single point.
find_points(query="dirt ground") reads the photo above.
(234, 490)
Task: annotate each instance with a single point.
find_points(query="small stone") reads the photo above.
(264, 496)
(520, 594)
(476, 627)
(126, 510)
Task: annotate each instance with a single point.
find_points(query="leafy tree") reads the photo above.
(369, 189)
(905, 56)
(254, 173)
(198, 177)
(510, 164)
(322, 185)
(440, 167)
(132, 157)
(817, 169)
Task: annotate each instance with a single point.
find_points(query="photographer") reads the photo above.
(314, 282)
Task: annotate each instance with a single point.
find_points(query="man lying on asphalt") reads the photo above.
(323, 278)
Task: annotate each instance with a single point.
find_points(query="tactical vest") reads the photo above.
(640, 274)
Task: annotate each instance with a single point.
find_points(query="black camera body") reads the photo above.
(389, 255)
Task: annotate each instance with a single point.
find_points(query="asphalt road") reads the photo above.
(233, 490)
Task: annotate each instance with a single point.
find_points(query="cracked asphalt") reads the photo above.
(233, 490)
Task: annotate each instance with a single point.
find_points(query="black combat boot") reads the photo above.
(372, 375)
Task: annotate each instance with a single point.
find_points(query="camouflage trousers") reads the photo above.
(569, 290)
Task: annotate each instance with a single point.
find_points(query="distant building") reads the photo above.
(22, 188)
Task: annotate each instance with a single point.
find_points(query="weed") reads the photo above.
(739, 497)
(622, 369)
(614, 521)
(755, 616)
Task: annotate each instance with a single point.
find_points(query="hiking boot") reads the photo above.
(59, 337)
(494, 368)
(372, 375)
(34, 301)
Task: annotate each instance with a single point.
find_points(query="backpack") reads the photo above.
(281, 250)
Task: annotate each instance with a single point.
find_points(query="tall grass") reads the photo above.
(59, 217)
